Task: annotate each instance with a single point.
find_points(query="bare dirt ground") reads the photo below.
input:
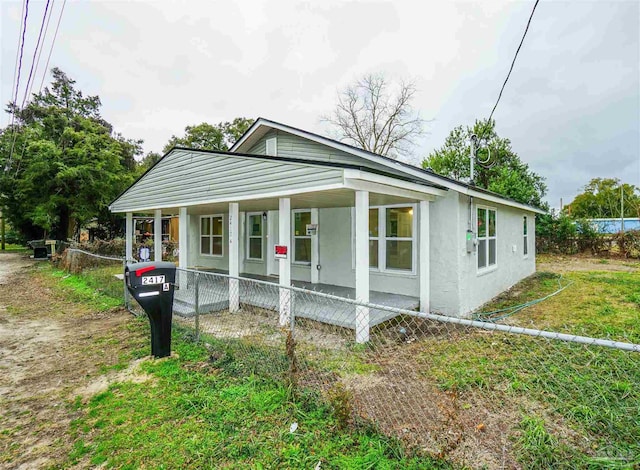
(563, 264)
(51, 350)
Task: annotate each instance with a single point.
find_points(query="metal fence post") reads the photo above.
(196, 307)
(124, 284)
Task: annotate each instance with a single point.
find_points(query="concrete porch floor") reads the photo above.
(214, 296)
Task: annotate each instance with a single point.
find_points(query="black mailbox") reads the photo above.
(152, 285)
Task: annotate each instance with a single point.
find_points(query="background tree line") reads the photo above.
(61, 163)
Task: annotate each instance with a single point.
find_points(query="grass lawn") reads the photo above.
(197, 413)
(13, 248)
(204, 409)
(579, 405)
(533, 403)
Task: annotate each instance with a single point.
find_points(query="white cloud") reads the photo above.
(572, 102)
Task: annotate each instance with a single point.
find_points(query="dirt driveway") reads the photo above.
(51, 350)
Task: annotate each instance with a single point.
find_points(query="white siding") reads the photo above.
(187, 177)
(292, 146)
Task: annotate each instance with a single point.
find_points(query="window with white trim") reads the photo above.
(211, 234)
(301, 241)
(525, 237)
(255, 231)
(399, 238)
(486, 221)
(374, 237)
(391, 239)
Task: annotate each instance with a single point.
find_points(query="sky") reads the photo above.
(571, 107)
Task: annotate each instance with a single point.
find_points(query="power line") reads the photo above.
(46, 30)
(15, 65)
(24, 30)
(14, 136)
(24, 146)
(513, 62)
(27, 88)
(46, 67)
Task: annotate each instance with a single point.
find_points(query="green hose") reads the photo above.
(497, 315)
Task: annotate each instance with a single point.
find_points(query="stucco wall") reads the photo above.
(479, 287)
(443, 243)
(457, 288)
(336, 256)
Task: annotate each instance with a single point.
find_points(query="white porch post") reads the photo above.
(315, 249)
(423, 252)
(284, 225)
(157, 235)
(128, 237)
(234, 256)
(183, 240)
(362, 265)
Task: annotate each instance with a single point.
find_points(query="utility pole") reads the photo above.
(472, 158)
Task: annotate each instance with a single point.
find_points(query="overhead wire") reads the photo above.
(34, 60)
(524, 35)
(37, 60)
(55, 35)
(17, 81)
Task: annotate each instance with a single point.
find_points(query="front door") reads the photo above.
(272, 240)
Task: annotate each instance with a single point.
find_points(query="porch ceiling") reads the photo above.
(319, 199)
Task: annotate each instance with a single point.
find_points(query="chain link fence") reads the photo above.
(478, 394)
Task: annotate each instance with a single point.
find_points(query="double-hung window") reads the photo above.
(486, 219)
(391, 238)
(374, 237)
(255, 230)
(301, 241)
(399, 238)
(525, 246)
(211, 235)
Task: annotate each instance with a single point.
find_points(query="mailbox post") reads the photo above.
(152, 285)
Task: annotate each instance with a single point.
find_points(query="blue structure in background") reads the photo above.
(615, 225)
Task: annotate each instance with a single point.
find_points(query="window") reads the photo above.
(399, 238)
(301, 241)
(374, 239)
(524, 232)
(254, 231)
(211, 235)
(391, 238)
(486, 219)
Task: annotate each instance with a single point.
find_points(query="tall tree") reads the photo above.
(502, 171)
(603, 197)
(66, 164)
(207, 136)
(377, 116)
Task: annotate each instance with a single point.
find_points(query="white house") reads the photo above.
(348, 218)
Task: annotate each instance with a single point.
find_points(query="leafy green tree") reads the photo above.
(66, 165)
(207, 136)
(504, 172)
(601, 198)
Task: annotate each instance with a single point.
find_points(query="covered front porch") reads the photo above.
(363, 236)
(212, 295)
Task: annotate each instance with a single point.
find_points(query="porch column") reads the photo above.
(284, 226)
(183, 238)
(315, 249)
(423, 252)
(234, 256)
(362, 265)
(157, 235)
(128, 237)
